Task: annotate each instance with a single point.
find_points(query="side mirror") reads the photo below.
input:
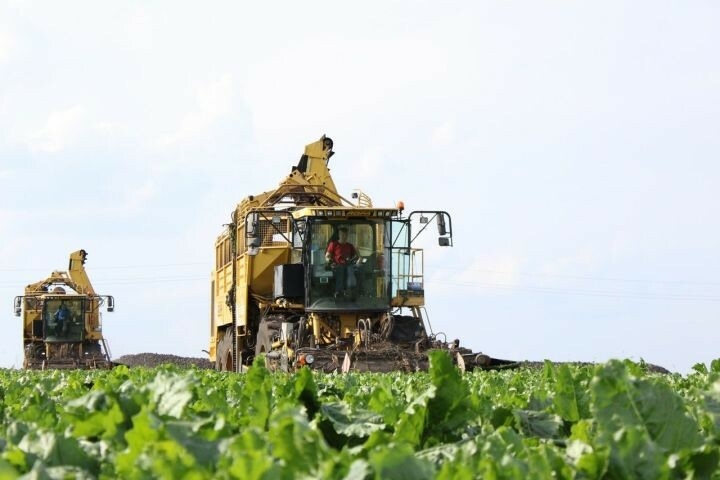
(444, 241)
(251, 224)
(110, 304)
(442, 230)
(18, 306)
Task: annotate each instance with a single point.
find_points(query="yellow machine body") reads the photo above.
(276, 291)
(62, 322)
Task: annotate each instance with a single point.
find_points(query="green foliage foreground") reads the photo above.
(614, 420)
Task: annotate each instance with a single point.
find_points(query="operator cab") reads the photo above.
(342, 277)
(63, 319)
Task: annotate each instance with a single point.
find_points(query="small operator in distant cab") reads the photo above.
(62, 317)
(341, 256)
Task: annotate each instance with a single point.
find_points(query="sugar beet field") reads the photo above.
(615, 420)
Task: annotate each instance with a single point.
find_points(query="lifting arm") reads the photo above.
(79, 280)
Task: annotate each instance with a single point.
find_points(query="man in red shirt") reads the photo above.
(342, 255)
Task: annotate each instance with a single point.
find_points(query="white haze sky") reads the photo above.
(575, 145)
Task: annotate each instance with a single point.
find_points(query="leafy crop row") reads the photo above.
(610, 421)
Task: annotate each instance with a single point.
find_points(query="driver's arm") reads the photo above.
(328, 254)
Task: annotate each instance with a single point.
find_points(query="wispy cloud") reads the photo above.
(496, 274)
(277, 97)
(139, 196)
(61, 130)
(213, 100)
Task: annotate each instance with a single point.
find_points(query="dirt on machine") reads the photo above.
(307, 277)
(62, 321)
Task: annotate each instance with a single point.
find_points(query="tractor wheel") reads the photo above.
(268, 330)
(224, 353)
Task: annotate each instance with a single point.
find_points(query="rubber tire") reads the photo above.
(224, 361)
(268, 328)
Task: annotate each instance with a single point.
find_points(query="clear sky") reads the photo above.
(575, 145)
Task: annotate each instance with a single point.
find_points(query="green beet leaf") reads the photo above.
(298, 442)
(7, 471)
(359, 470)
(171, 393)
(256, 399)
(538, 424)
(571, 401)
(410, 427)
(385, 401)
(351, 422)
(306, 391)
(94, 415)
(248, 456)
(711, 400)
(450, 407)
(190, 435)
(621, 401)
(399, 462)
(715, 365)
(53, 449)
(634, 455)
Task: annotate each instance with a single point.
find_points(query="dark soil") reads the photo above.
(648, 366)
(156, 359)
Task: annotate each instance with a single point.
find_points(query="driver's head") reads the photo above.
(342, 234)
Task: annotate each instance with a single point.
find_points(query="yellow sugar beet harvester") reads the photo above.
(62, 323)
(275, 292)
